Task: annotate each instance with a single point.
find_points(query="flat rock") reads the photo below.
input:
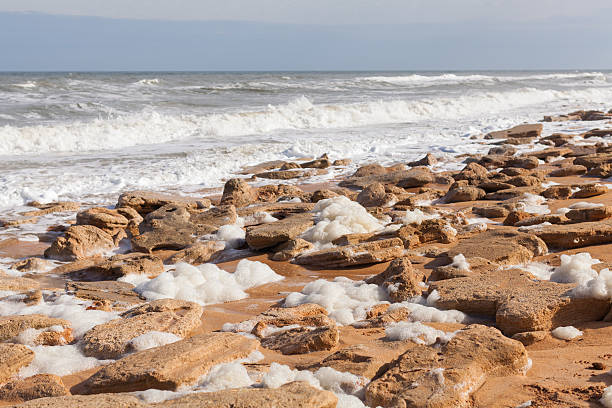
(590, 190)
(308, 314)
(32, 265)
(291, 249)
(171, 366)
(120, 294)
(517, 301)
(86, 401)
(277, 210)
(148, 201)
(416, 177)
(400, 280)
(303, 340)
(461, 194)
(515, 192)
(274, 233)
(445, 377)
(17, 284)
(575, 235)
(295, 394)
(111, 340)
(520, 131)
(120, 265)
(198, 253)
(103, 218)
(78, 242)
(565, 171)
(37, 386)
(360, 254)
(12, 326)
(589, 214)
(44, 209)
(12, 358)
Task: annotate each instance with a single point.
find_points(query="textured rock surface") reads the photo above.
(576, 235)
(400, 280)
(360, 254)
(198, 253)
(308, 314)
(37, 386)
(113, 293)
(238, 193)
(12, 358)
(303, 340)
(148, 201)
(274, 233)
(86, 401)
(12, 326)
(118, 266)
(78, 242)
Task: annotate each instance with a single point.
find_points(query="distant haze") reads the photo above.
(35, 41)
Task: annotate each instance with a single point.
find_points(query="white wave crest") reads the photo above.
(146, 81)
(150, 127)
(27, 85)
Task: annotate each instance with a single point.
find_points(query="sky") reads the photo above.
(248, 35)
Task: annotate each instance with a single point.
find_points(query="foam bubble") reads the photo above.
(152, 339)
(417, 332)
(566, 332)
(59, 360)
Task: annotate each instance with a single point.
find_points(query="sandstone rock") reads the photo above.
(400, 279)
(517, 301)
(288, 174)
(416, 177)
(375, 195)
(322, 195)
(290, 165)
(558, 139)
(540, 219)
(295, 394)
(435, 230)
(147, 201)
(277, 210)
(17, 284)
(384, 319)
(576, 235)
(529, 338)
(557, 192)
(492, 186)
(602, 171)
(198, 253)
(12, 358)
(303, 340)
(370, 170)
(291, 249)
(238, 193)
(78, 242)
(520, 131)
(551, 152)
(86, 401)
(524, 181)
(590, 190)
(37, 386)
(464, 194)
(111, 293)
(366, 253)
(274, 233)
(516, 216)
(44, 209)
(171, 366)
(445, 377)
(477, 266)
(594, 160)
(491, 211)
(111, 340)
(32, 265)
(506, 247)
(505, 150)
(573, 170)
(428, 160)
(515, 192)
(342, 162)
(589, 214)
(107, 220)
(316, 164)
(120, 265)
(473, 173)
(12, 326)
(307, 314)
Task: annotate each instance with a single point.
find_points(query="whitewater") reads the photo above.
(89, 136)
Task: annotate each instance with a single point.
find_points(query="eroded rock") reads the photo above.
(78, 242)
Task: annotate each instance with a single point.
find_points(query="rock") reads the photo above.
(171, 366)
(451, 271)
(111, 293)
(32, 265)
(575, 235)
(111, 340)
(384, 319)
(375, 195)
(589, 214)
(78, 242)
(503, 246)
(590, 190)
(342, 162)
(12, 326)
(366, 359)
(492, 186)
(323, 195)
(524, 181)
(295, 394)
(37, 386)
(303, 340)
(557, 192)
(515, 217)
(566, 171)
(400, 279)
(428, 160)
(360, 254)
(464, 194)
(515, 192)
(517, 301)
(274, 233)
(147, 201)
(505, 150)
(278, 210)
(316, 164)
(307, 314)
(594, 160)
(445, 377)
(374, 169)
(288, 174)
(602, 171)
(12, 358)
(198, 253)
(238, 193)
(258, 168)
(120, 265)
(552, 152)
(540, 219)
(473, 173)
(491, 211)
(44, 209)
(107, 220)
(523, 162)
(520, 131)
(529, 338)
(291, 249)
(290, 165)
(86, 401)
(9, 283)
(416, 177)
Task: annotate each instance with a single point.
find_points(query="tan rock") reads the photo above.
(303, 340)
(238, 193)
(342, 162)
(120, 265)
(111, 293)
(277, 210)
(400, 279)
(171, 366)
(44, 209)
(198, 253)
(78, 242)
(518, 302)
(576, 235)
(37, 386)
(384, 319)
(86, 401)
(15, 284)
(557, 192)
(291, 249)
(590, 190)
(32, 265)
(416, 177)
(460, 194)
(445, 377)
(12, 358)
(473, 173)
(494, 211)
(274, 233)
(374, 169)
(148, 201)
(103, 218)
(589, 214)
(308, 314)
(321, 163)
(375, 195)
(513, 193)
(12, 326)
(565, 171)
(295, 394)
(428, 160)
(289, 174)
(529, 338)
(111, 340)
(550, 152)
(520, 131)
(360, 254)
(523, 162)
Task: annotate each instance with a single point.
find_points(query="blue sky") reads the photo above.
(76, 35)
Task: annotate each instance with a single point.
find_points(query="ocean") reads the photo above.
(89, 136)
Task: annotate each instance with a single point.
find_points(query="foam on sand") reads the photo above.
(207, 283)
(338, 216)
(606, 397)
(417, 332)
(417, 216)
(566, 332)
(59, 360)
(575, 269)
(152, 339)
